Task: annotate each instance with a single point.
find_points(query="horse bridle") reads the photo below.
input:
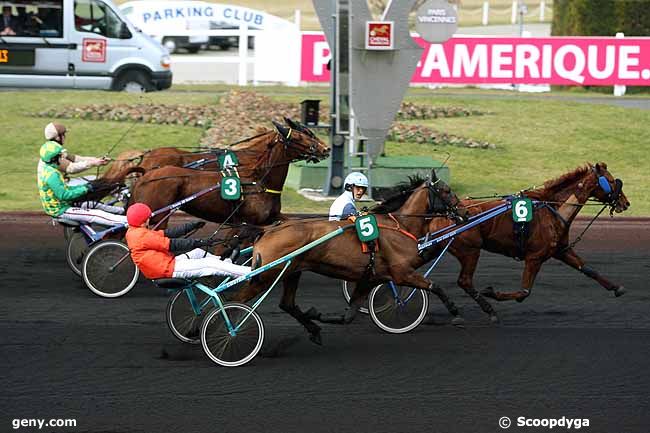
(288, 142)
(612, 194)
(435, 195)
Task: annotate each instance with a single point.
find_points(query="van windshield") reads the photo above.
(94, 16)
(31, 18)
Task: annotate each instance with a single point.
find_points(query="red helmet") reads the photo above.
(137, 214)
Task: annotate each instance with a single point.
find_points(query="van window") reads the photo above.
(94, 16)
(30, 19)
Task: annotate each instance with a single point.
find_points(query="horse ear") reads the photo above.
(281, 129)
(434, 177)
(291, 123)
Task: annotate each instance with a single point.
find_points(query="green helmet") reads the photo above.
(50, 150)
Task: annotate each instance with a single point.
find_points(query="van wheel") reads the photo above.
(193, 50)
(133, 82)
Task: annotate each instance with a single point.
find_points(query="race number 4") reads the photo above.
(367, 229)
(228, 160)
(522, 210)
(230, 188)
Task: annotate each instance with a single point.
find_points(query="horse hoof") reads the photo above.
(494, 319)
(489, 292)
(312, 314)
(458, 322)
(316, 338)
(619, 291)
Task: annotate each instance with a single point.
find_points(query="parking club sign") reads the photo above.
(379, 35)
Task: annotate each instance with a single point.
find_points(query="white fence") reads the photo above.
(539, 10)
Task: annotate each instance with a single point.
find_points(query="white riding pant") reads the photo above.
(101, 206)
(93, 216)
(199, 263)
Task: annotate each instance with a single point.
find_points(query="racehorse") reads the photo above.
(548, 233)
(341, 257)
(247, 151)
(262, 182)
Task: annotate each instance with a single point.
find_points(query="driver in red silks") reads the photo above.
(152, 250)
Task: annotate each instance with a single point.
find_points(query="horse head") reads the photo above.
(606, 189)
(443, 200)
(300, 142)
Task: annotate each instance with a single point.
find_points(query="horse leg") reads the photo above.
(465, 281)
(570, 258)
(360, 293)
(288, 304)
(531, 268)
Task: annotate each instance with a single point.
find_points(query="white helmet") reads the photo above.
(53, 130)
(355, 179)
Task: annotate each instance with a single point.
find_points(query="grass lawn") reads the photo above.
(536, 139)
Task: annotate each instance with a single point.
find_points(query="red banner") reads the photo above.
(593, 61)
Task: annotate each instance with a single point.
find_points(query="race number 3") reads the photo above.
(367, 229)
(228, 160)
(522, 210)
(230, 188)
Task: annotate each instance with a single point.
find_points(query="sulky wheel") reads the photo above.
(397, 309)
(232, 349)
(75, 248)
(108, 270)
(347, 294)
(184, 323)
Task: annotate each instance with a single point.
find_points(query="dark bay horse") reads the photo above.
(247, 150)
(341, 257)
(548, 236)
(260, 203)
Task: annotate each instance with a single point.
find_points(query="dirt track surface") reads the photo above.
(572, 349)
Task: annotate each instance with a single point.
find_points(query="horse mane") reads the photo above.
(395, 201)
(247, 143)
(553, 185)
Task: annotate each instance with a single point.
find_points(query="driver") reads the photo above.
(355, 186)
(57, 197)
(151, 251)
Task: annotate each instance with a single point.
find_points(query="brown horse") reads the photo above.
(548, 233)
(265, 178)
(341, 257)
(247, 150)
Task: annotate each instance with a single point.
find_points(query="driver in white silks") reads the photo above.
(355, 185)
(73, 164)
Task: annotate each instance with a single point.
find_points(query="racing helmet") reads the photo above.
(137, 214)
(53, 130)
(50, 150)
(355, 179)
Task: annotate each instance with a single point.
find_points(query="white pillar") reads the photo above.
(514, 11)
(542, 10)
(243, 54)
(296, 18)
(619, 90)
(486, 13)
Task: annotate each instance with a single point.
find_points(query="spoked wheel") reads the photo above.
(397, 309)
(108, 270)
(347, 294)
(181, 318)
(75, 248)
(225, 348)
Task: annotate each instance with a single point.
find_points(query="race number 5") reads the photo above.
(230, 188)
(228, 160)
(367, 229)
(522, 210)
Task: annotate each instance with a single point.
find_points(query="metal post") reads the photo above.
(243, 53)
(486, 13)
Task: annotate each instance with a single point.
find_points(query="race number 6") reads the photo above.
(522, 210)
(230, 188)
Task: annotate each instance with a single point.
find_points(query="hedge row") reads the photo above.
(601, 17)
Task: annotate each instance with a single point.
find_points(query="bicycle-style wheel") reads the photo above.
(225, 348)
(397, 309)
(108, 270)
(184, 323)
(347, 294)
(75, 248)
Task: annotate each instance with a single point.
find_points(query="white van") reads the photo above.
(77, 44)
(164, 19)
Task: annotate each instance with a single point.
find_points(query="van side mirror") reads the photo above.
(125, 33)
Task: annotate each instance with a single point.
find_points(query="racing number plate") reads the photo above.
(367, 229)
(228, 160)
(230, 188)
(522, 210)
